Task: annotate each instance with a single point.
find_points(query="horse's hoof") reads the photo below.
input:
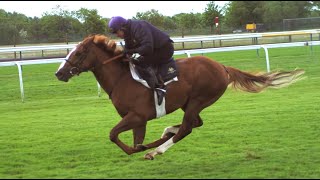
(148, 156)
(141, 147)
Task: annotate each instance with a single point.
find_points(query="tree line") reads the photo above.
(61, 25)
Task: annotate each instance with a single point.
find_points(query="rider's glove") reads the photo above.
(136, 58)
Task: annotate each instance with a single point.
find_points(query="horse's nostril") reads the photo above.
(58, 74)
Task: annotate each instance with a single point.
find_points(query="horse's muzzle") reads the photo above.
(61, 77)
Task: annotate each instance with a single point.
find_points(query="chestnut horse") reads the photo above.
(201, 82)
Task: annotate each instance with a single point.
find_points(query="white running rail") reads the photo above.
(179, 52)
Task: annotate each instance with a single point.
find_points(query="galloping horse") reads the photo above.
(201, 82)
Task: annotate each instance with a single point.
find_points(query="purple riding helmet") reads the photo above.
(116, 23)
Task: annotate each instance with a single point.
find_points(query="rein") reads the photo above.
(113, 58)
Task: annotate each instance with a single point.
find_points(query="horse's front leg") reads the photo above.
(128, 122)
(138, 137)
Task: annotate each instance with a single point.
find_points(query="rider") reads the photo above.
(147, 46)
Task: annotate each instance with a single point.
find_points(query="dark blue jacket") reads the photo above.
(142, 37)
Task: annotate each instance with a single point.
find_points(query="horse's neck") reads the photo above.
(109, 75)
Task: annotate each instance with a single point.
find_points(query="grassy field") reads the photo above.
(62, 129)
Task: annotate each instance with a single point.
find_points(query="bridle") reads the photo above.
(76, 67)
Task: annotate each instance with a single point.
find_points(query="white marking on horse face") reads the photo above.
(61, 65)
(67, 57)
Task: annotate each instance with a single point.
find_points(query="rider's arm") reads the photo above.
(143, 35)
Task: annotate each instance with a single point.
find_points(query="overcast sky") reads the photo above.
(107, 9)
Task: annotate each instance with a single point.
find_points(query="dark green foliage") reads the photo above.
(63, 26)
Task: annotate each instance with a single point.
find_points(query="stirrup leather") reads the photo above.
(160, 93)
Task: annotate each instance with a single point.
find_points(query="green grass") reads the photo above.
(62, 129)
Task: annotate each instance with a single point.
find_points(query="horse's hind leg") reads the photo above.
(170, 130)
(184, 130)
(157, 142)
(197, 122)
(191, 119)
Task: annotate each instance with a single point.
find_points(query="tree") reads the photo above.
(186, 21)
(211, 11)
(275, 11)
(168, 23)
(239, 13)
(92, 22)
(314, 9)
(12, 27)
(152, 16)
(57, 25)
(34, 30)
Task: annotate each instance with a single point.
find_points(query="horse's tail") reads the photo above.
(257, 82)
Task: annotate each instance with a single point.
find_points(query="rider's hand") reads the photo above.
(136, 58)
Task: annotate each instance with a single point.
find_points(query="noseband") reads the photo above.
(75, 68)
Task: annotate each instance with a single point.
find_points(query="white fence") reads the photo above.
(253, 36)
(176, 40)
(179, 52)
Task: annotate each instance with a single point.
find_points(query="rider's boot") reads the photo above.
(161, 89)
(155, 84)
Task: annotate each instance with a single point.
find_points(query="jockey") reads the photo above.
(147, 46)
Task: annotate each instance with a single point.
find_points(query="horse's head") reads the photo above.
(89, 53)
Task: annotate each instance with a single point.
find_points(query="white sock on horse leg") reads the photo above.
(170, 129)
(165, 146)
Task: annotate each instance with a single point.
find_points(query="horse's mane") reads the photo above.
(104, 43)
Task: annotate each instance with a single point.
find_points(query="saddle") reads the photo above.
(165, 73)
